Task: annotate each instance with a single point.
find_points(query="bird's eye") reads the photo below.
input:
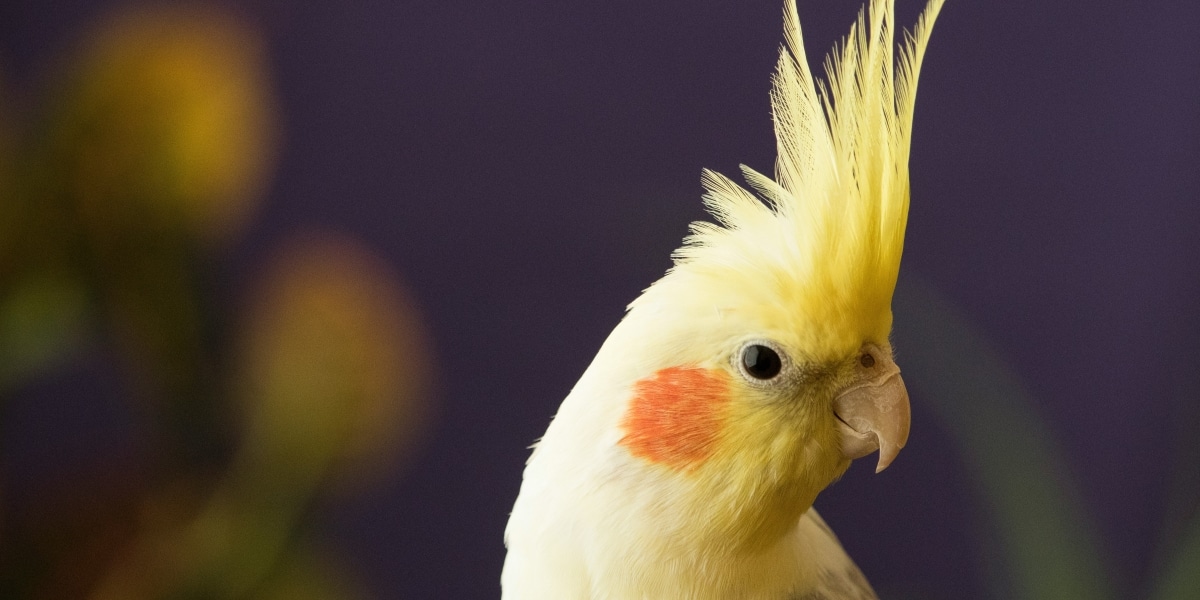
(866, 360)
(761, 362)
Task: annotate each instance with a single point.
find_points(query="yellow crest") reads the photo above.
(827, 236)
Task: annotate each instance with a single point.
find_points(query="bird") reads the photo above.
(685, 461)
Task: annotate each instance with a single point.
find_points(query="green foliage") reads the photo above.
(149, 156)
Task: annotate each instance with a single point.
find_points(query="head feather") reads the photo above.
(822, 240)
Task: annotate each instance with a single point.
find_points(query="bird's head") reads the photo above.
(761, 365)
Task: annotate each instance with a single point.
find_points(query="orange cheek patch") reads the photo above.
(675, 416)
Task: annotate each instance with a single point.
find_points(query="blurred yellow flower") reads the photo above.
(335, 363)
(167, 123)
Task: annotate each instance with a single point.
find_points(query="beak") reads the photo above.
(874, 416)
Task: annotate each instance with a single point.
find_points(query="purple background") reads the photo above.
(528, 167)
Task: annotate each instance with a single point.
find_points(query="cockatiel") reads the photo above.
(685, 461)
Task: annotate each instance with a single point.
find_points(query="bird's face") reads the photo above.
(744, 406)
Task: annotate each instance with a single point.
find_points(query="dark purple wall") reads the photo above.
(528, 167)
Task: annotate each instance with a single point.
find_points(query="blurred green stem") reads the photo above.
(1050, 549)
(1181, 580)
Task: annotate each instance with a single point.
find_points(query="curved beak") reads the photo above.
(874, 416)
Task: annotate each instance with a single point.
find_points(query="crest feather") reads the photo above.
(837, 207)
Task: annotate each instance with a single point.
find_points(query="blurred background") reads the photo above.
(286, 290)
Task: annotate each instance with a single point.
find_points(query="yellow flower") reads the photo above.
(335, 362)
(167, 123)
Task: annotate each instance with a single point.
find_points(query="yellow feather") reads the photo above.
(828, 233)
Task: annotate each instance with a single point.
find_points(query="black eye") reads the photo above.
(761, 362)
(866, 360)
